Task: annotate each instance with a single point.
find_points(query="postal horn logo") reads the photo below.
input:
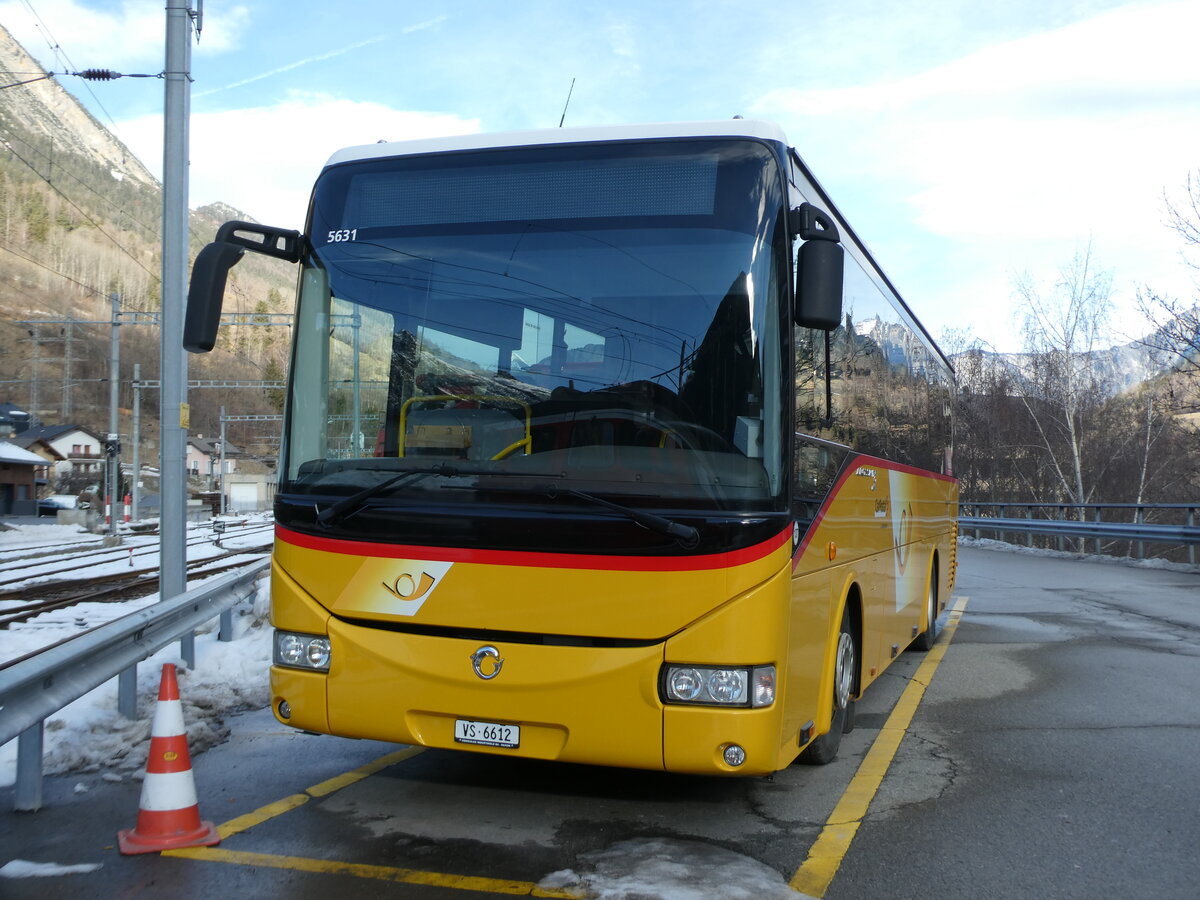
(405, 587)
(413, 584)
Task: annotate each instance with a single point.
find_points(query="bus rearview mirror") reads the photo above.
(206, 293)
(819, 284)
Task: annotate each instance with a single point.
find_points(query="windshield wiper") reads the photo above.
(347, 506)
(685, 535)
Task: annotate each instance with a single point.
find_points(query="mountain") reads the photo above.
(1120, 367)
(47, 111)
(221, 213)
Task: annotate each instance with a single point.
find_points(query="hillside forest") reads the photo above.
(73, 231)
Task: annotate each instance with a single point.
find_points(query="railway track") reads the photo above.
(16, 572)
(54, 593)
(115, 587)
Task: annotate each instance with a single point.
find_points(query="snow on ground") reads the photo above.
(1001, 546)
(671, 869)
(22, 537)
(89, 735)
(20, 868)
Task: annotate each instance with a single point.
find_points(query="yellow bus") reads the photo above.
(611, 446)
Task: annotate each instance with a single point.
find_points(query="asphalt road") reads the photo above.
(1060, 734)
(1053, 755)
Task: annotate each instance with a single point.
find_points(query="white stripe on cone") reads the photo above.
(163, 791)
(168, 719)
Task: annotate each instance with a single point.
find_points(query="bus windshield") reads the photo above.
(604, 318)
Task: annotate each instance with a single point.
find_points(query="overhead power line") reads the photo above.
(86, 75)
(27, 81)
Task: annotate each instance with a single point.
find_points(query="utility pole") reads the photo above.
(112, 446)
(173, 408)
(66, 384)
(135, 434)
(33, 385)
(222, 449)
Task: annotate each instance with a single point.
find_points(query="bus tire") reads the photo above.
(824, 749)
(927, 638)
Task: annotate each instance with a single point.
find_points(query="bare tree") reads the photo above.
(1177, 322)
(1063, 388)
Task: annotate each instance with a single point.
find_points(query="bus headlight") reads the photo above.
(301, 651)
(719, 685)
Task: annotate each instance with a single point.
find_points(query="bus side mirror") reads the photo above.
(206, 292)
(819, 268)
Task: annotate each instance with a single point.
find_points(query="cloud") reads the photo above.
(1129, 55)
(1029, 136)
(321, 57)
(421, 26)
(119, 36)
(264, 160)
(1012, 157)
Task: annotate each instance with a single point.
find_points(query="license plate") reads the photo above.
(490, 734)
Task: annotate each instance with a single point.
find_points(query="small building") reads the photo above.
(80, 452)
(19, 471)
(249, 491)
(41, 448)
(204, 458)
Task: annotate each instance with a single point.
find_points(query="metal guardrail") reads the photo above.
(1117, 531)
(38, 687)
(1051, 519)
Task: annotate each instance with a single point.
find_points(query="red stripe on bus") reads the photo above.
(851, 469)
(535, 558)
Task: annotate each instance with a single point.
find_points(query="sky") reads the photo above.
(969, 144)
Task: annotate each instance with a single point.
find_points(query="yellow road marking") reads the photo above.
(287, 804)
(340, 781)
(827, 852)
(379, 873)
(249, 820)
(358, 870)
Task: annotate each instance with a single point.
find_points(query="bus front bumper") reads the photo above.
(587, 705)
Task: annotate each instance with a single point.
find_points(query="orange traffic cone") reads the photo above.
(168, 814)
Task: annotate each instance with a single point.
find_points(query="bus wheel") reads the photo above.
(824, 749)
(927, 638)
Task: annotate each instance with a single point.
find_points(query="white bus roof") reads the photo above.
(722, 128)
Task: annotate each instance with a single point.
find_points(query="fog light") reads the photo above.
(733, 755)
(285, 709)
